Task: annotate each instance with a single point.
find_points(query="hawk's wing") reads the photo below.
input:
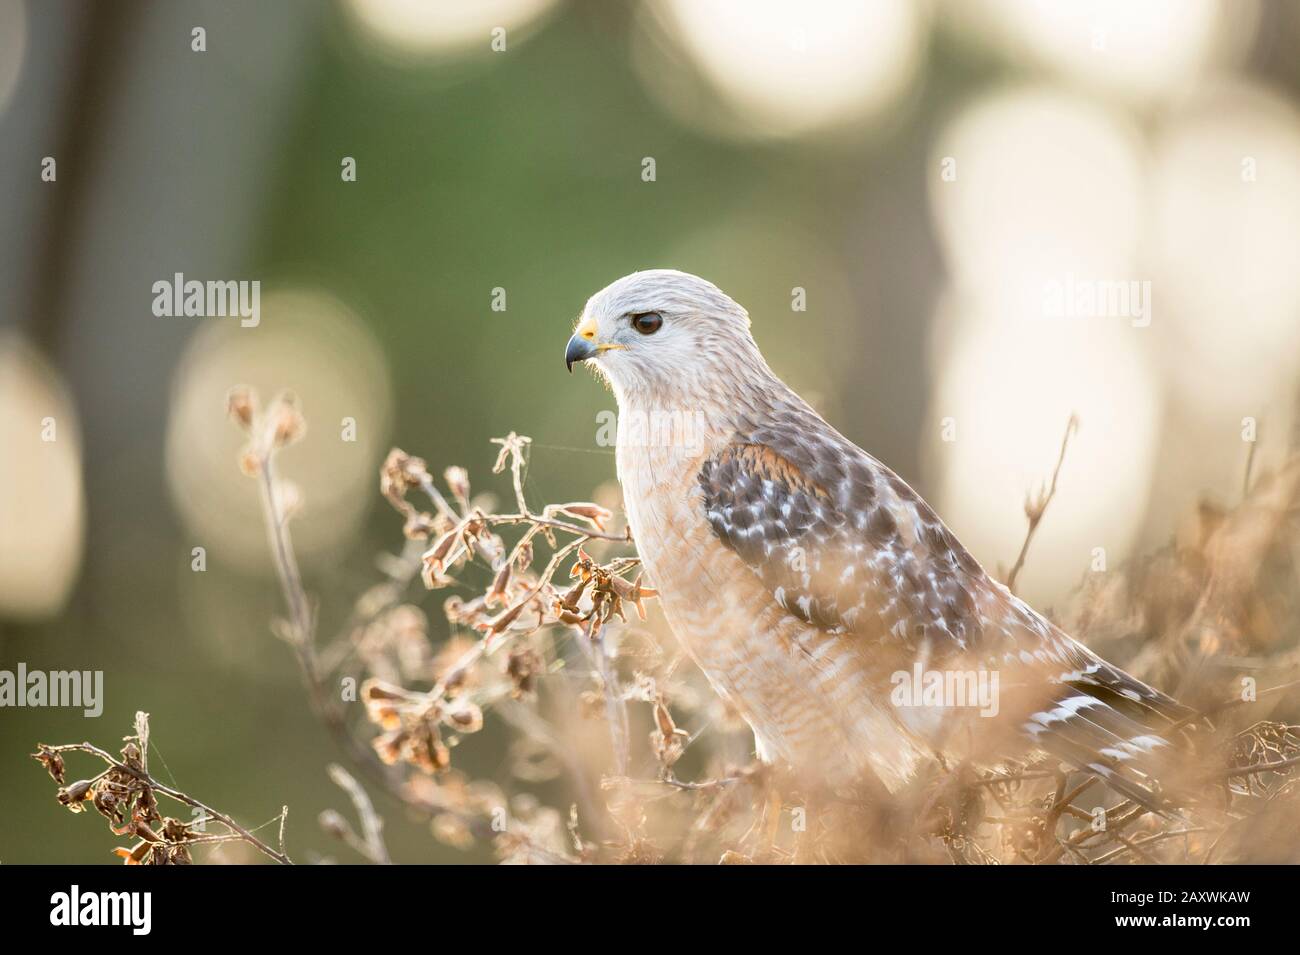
(846, 545)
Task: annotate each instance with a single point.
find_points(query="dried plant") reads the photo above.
(539, 635)
(617, 750)
(127, 796)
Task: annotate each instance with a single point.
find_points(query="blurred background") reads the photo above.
(927, 173)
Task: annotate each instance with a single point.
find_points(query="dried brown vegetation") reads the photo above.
(615, 749)
(126, 795)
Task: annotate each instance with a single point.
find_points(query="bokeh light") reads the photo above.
(311, 344)
(1035, 189)
(773, 69)
(1009, 388)
(422, 28)
(1138, 51)
(1046, 185)
(42, 506)
(1226, 222)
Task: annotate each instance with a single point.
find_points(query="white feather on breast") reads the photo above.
(802, 690)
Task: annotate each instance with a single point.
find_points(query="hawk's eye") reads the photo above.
(647, 323)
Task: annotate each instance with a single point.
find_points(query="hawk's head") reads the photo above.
(661, 328)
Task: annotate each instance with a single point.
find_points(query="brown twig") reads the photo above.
(142, 776)
(1036, 507)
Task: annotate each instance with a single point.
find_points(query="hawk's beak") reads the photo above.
(579, 348)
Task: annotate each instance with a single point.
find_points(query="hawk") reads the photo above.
(820, 595)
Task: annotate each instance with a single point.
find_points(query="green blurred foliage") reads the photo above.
(519, 171)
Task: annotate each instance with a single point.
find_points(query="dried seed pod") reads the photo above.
(594, 514)
(502, 621)
(287, 422)
(131, 756)
(453, 608)
(664, 719)
(454, 679)
(420, 525)
(146, 805)
(241, 405)
(463, 716)
(179, 855)
(385, 702)
(250, 465)
(400, 473)
(52, 761)
(525, 557)
(436, 556)
(633, 593)
(375, 690)
(448, 549)
(571, 597)
(497, 594)
(522, 667)
(75, 796)
(426, 749)
(384, 714)
(583, 567)
(388, 746)
(450, 830)
(108, 805)
(457, 479)
(333, 824)
(146, 833)
(173, 830)
(135, 855)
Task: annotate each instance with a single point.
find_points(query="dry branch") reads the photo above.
(127, 796)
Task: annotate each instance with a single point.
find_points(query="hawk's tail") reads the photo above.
(1093, 736)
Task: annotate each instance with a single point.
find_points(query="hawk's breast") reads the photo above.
(805, 692)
